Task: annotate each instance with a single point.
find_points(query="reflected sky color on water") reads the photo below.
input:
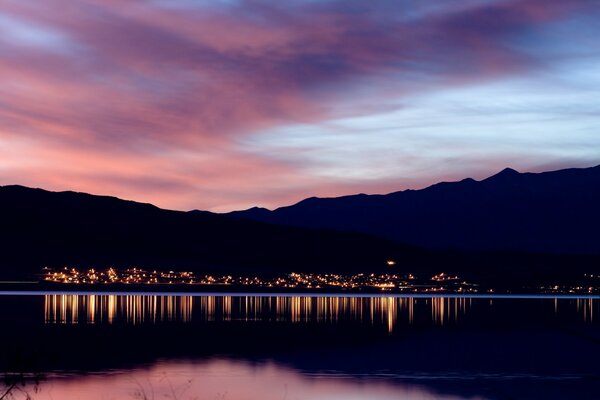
(222, 379)
(136, 309)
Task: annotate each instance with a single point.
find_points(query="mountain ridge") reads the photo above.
(549, 212)
(44, 228)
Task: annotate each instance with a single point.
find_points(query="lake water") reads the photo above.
(286, 347)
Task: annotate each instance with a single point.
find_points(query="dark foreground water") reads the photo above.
(248, 346)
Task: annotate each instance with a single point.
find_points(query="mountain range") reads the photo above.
(509, 225)
(551, 212)
(42, 228)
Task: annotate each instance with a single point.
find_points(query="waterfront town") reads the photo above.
(387, 282)
(293, 280)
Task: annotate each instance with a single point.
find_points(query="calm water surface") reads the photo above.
(248, 346)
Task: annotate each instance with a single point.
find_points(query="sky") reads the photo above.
(222, 105)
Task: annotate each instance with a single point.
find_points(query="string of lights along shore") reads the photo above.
(397, 282)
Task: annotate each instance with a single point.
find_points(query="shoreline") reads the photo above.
(16, 288)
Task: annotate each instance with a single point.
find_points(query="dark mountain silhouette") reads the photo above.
(41, 228)
(550, 212)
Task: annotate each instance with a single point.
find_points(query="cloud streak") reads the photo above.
(154, 100)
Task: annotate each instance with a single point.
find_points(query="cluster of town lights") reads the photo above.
(387, 281)
(397, 282)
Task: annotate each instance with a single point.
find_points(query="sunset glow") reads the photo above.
(230, 104)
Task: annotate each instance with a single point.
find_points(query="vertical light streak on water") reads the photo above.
(130, 313)
(47, 305)
(376, 310)
(295, 310)
(170, 308)
(49, 309)
(435, 310)
(112, 308)
(189, 308)
(334, 309)
(227, 302)
(391, 313)
(74, 309)
(91, 309)
(309, 309)
(155, 309)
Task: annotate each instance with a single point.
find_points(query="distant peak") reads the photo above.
(260, 209)
(308, 200)
(508, 171)
(256, 211)
(505, 173)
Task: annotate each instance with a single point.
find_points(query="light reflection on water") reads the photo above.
(381, 310)
(444, 355)
(71, 309)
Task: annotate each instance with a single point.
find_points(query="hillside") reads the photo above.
(47, 228)
(42, 228)
(550, 212)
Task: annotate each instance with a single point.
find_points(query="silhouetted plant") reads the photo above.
(19, 386)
